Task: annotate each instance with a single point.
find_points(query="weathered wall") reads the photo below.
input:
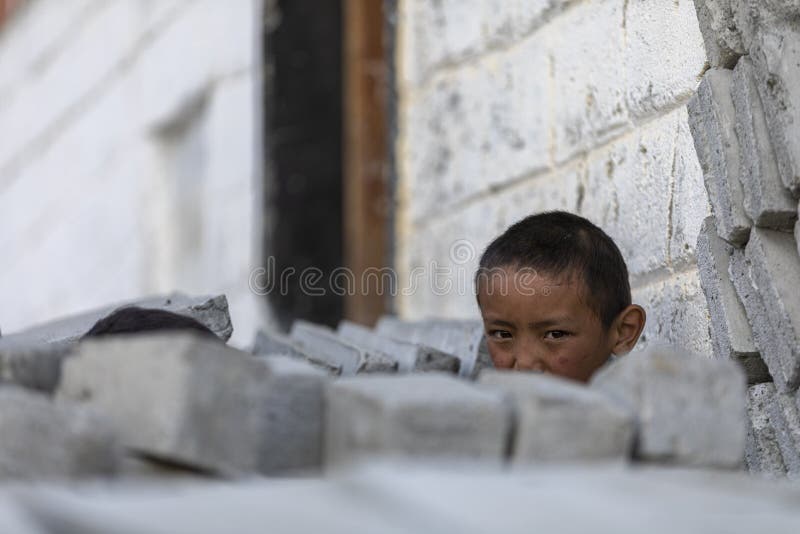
(129, 154)
(508, 108)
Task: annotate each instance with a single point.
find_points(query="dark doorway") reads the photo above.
(303, 106)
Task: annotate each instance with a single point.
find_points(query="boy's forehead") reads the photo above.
(534, 293)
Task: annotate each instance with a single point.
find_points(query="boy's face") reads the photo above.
(542, 323)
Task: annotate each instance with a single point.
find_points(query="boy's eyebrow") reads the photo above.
(553, 321)
(500, 322)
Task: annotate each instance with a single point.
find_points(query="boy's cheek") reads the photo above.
(500, 359)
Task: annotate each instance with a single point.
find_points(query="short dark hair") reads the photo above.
(558, 242)
(132, 320)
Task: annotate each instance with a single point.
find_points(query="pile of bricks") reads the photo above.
(317, 402)
(317, 399)
(745, 120)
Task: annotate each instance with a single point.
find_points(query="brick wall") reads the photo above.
(512, 107)
(129, 157)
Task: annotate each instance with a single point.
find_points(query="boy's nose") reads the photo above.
(527, 358)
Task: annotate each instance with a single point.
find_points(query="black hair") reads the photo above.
(558, 242)
(132, 319)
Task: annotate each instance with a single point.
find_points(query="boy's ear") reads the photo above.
(627, 328)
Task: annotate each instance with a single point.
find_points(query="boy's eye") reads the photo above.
(556, 334)
(500, 334)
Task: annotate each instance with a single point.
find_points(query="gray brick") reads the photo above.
(761, 451)
(730, 331)
(776, 54)
(764, 336)
(293, 416)
(559, 420)
(783, 414)
(179, 398)
(766, 201)
(409, 356)
(425, 415)
(722, 39)
(269, 343)
(33, 364)
(690, 410)
(462, 338)
(322, 344)
(775, 271)
(712, 121)
(211, 311)
(40, 439)
(751, 16)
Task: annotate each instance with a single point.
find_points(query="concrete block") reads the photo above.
(761, 452)
(175, 397)
(766, 201)
(292, 431)
(322, 344)
(269, 343)
(785, 419)
(557, 420)
(776, 54)
(211, 311)
(464, 339)
(664, 54)
(751, 16)
(775, 273)
(420, 415)
(43, 440)
(730, 331)
(722, 39)
(32, 364)
(764, 336)
(712, 122)
(587, 62)
(409, 356)
(690, 410)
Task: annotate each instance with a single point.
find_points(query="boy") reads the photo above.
(554, 295)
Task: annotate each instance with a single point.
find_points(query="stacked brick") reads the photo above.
(745, 120)
(315, 400)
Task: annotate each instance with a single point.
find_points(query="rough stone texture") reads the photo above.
(766, 200)
(722, 39)
(178, 397)
(269, 342)
(405, 499)
(690, 410)
(556, 420)
(730, 330)
(776, 55)
(420, 415)
(43, 440)
(775, 273)
(322, 344)
(462, 338)
(764, 336)
(783, 414)
(761, 452)
(211, 311)
(752, 16)
(293, 416)
(33, 364)
(583, 110)
(712, 120)
(409, 356)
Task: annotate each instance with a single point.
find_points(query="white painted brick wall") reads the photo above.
(577, 105)
(91, 209)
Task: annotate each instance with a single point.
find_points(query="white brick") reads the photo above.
(677, 313)
(587, 50)
(664, 54)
